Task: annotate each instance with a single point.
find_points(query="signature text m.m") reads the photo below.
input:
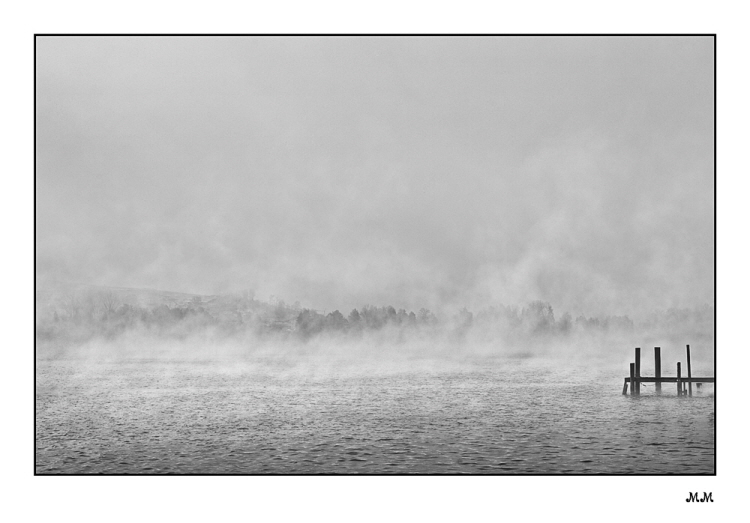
(693, 496)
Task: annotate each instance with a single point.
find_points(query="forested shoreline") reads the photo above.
(105, 314)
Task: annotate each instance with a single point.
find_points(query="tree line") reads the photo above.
(105, 314)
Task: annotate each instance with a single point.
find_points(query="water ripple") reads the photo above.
(183, 417)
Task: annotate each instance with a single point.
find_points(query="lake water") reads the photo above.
(496, 416)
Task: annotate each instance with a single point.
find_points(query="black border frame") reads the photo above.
(423, 35)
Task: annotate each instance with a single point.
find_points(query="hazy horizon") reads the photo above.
(412, 172)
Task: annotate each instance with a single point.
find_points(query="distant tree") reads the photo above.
(390, 315)
(108, 302)
(309, 322)
(71, 306)
(280, 312)
(622, 323)
(588, 324)
(336, 321)
(538, 317)
(372, 317)
(425, 317)
(566, 323)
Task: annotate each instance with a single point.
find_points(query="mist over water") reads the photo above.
(372, 255)
(443, 397)
(430, 416)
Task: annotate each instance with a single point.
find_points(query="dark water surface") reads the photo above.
(488, 416)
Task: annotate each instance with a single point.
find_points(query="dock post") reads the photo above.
(679, 379)
(638, 370)
(632, 379)
(690, 374)
(657, 368)
(625, 387)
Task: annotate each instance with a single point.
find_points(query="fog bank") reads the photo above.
(417, 172)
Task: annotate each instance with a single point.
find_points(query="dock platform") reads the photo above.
(684, 384)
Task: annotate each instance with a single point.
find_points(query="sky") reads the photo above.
(435, 172)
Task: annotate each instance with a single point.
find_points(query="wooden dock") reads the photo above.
(684, 384)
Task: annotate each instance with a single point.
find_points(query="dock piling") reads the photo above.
(690, 374)
(684, 384)
(638, 370)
